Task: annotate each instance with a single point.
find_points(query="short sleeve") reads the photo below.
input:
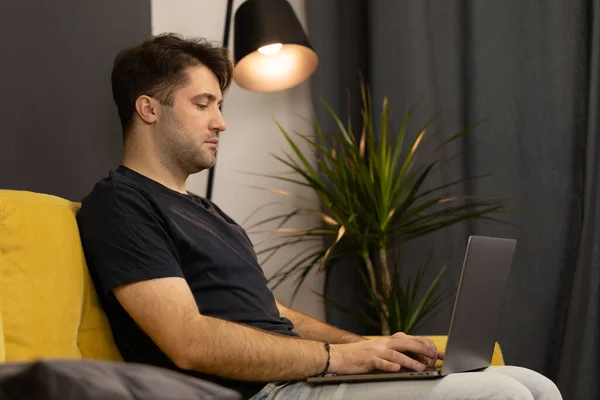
(125, 239)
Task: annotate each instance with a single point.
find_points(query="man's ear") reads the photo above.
(147, 109)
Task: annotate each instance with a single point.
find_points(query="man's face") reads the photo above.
(188, 130)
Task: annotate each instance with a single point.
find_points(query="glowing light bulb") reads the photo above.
(270, 49)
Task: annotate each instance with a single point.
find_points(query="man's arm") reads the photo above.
(311, 328)
(166, 310)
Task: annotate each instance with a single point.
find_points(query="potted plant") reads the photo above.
(372, 197)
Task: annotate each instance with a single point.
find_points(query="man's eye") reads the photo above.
(202, 106)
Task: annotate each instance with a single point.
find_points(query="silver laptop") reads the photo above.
(475, 318)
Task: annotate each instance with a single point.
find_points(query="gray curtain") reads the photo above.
(531, 67)
(60, 131)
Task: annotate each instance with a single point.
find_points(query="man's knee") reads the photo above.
(483, 385)
(541, 387)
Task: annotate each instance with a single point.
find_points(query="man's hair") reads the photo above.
(156, 68)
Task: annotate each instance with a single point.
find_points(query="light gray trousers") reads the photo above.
(506, 383)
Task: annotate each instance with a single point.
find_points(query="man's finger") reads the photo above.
(409, 344)
(426, 341)
(384, 365)
(430, 362)
(405, 360)
(430, 343)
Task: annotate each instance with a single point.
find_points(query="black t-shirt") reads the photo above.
(135, 229)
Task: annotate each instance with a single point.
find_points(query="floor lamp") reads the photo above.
(271, 50)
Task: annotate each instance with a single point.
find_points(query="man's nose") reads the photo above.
(218, 123)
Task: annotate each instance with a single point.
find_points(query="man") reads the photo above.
(179, 279)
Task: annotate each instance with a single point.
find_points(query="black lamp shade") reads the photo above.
(260, 23)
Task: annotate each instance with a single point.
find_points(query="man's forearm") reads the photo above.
(240, 352)
(311, 328)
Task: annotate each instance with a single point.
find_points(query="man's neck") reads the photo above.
(142, 156)
(157, 172)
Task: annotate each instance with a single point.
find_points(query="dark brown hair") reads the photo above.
(156, 68)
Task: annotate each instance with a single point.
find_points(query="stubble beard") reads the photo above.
(188, 158)
(181, 151)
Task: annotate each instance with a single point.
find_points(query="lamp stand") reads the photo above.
(211, 171)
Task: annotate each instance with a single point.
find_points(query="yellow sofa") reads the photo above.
(48, 306)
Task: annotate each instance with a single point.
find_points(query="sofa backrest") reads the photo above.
(48, 305)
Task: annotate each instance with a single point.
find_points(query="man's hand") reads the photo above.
(429, 361)
(385, 354)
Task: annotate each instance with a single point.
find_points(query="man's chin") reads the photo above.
(212, 162)
(206, 164)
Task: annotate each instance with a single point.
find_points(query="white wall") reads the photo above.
(250, 137)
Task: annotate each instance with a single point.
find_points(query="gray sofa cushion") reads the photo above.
(101, 380)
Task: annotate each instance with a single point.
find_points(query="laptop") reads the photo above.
(475, 318)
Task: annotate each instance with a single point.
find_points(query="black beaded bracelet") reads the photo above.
(326, 370)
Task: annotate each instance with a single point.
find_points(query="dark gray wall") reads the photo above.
(59, 130)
